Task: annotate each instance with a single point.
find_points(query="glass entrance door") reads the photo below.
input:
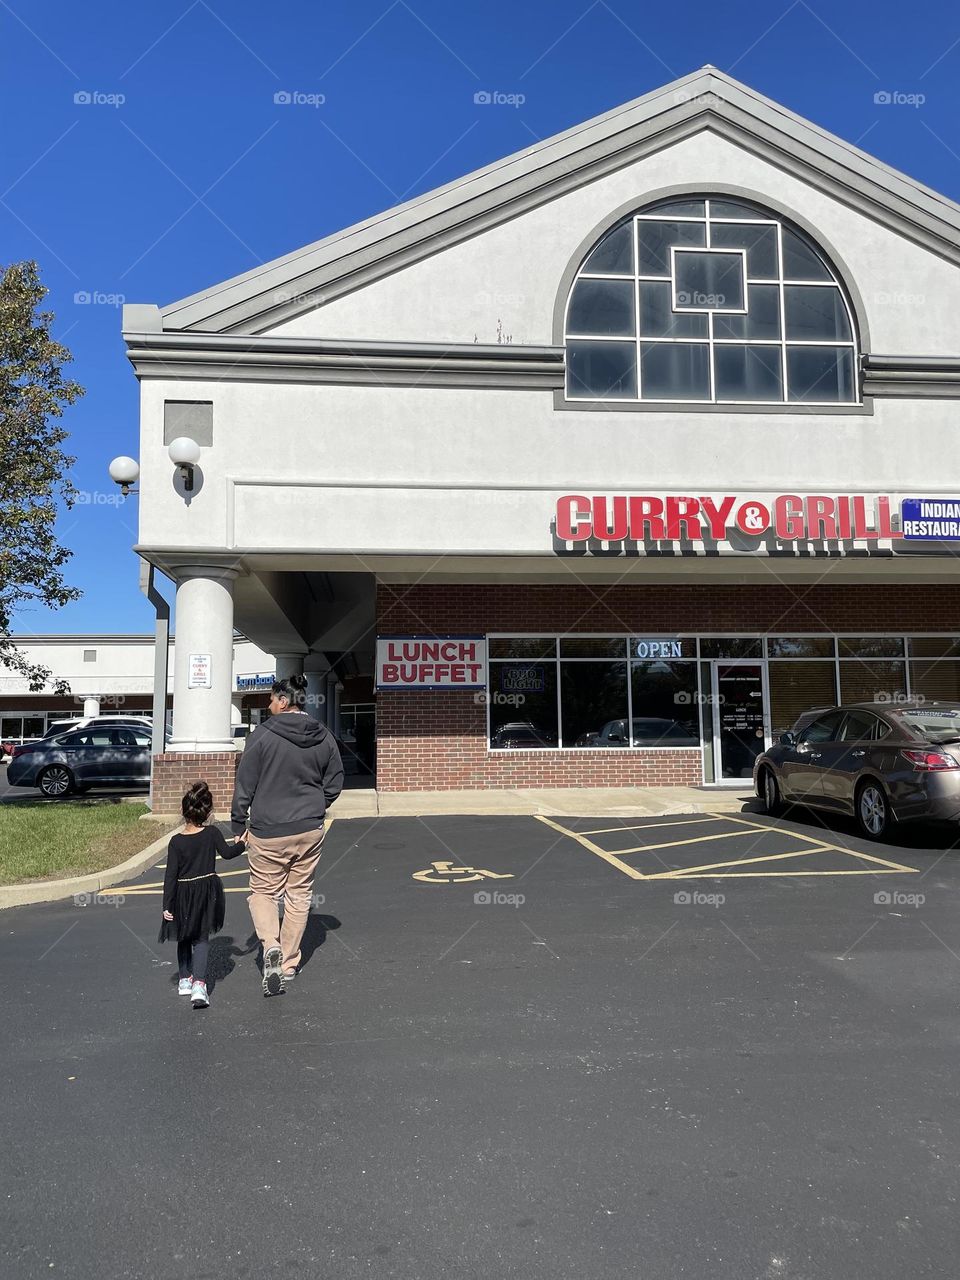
(740, 717)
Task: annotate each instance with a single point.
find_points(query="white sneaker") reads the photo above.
(273, 984)
(199, 995)
(186, 987)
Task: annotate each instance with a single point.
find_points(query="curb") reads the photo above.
(22, 895)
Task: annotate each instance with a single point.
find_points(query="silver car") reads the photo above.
(878, 762)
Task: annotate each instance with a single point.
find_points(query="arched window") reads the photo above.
(709, 301)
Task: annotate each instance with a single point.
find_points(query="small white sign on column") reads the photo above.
(199, 675)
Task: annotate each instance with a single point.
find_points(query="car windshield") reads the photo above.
(935, 724)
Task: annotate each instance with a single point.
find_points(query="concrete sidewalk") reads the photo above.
(581, 802)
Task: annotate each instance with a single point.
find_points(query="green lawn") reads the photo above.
(42, 840)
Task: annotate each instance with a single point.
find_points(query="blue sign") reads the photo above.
(930, 519)
(255, 682)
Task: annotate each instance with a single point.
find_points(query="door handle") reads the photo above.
(814, 755)
(857, 754)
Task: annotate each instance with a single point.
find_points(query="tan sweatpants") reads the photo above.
(283, 867)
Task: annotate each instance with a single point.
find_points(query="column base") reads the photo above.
(181, 746)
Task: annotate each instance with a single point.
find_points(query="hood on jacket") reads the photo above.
(301, 730)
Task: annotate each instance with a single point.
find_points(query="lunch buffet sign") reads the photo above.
(730, 524)
(431, 662)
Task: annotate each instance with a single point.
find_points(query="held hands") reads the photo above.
(168, 915)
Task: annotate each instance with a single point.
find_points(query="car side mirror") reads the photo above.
(615, 737)
(788, 738)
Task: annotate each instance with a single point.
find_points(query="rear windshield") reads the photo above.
(935, 724)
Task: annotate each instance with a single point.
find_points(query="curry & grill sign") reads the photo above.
(745, 524)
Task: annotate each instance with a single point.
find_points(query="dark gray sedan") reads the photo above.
(878, 762)
(82, 758)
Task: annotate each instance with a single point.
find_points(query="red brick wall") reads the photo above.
(437, 740)
(175, 773)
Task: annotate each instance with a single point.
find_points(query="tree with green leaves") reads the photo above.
(33, 465)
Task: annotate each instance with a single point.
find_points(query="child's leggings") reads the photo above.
(192, 958)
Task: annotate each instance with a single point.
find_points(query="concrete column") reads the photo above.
(288, 664)
(91, 706)
(204, 626)
(317, 695)
(332, 685)
(337, 727)
(236, 708)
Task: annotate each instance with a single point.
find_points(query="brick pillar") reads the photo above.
(175, 773)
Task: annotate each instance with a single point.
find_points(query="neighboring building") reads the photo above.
(628, 448)
(113, 675)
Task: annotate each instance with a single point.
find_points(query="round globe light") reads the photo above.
(184, 451)
(124, 470)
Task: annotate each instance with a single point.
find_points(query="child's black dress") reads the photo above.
(192, 891)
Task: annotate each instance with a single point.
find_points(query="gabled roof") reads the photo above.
(707, 99)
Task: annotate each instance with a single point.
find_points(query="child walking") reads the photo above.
(193, 902)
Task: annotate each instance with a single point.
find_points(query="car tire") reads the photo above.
(872, 810)
(56, 781)
(772, 799)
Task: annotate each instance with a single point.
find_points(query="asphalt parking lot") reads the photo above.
(692, 1046)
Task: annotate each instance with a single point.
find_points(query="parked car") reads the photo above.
(82, 758)
(648, 731)
(879, 762)
(522, 734)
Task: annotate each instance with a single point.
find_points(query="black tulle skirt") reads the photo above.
(197, 911)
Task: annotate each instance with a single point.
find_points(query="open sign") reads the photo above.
(658, 648)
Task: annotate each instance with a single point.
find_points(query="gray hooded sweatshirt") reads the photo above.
(290, 773)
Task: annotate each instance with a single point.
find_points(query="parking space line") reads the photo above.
(645, 826)
(612, 858)
(675, 844)
(739, 862)
(713, 870)
(823, 844)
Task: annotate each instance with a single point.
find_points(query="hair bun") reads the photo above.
(297, 682)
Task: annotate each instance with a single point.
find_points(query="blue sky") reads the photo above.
(183, 170)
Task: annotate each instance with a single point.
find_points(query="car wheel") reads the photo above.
(56, 781)
(772, 801)
(873, 811)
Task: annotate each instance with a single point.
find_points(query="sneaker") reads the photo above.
(199, 995)
(289, 977)
(272, 972)
(186, 987)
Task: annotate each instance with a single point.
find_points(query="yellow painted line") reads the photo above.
(739, 862)
(772, 875)
(675, 844)
(611, 858)
(644, 826)
(854, 853)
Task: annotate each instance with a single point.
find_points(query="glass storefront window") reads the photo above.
(936, 681)
(872, 681)
(523, 705)
(34, 726)
(731, 647)
(592, 646)
(522, 647)
(665, 704)
(871, 646)
(800, 647)
(593, 704)
(11, 727)
(797, 687)
(933, 646)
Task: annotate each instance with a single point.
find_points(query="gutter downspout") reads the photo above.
(160, 664)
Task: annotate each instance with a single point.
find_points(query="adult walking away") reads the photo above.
(290, 773)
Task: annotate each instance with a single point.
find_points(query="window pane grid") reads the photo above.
(830, 378)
